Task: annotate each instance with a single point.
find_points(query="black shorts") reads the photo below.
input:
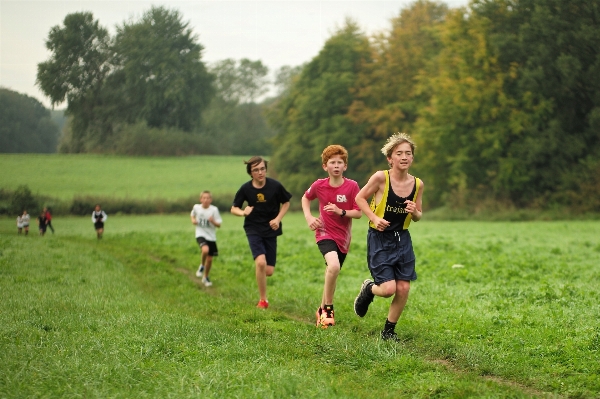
(390, 256)
(99, 225)
(212, 246)
(264, 246)
(326, 246)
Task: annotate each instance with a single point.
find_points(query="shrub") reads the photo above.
(22, 199)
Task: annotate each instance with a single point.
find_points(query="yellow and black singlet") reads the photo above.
(392, 208)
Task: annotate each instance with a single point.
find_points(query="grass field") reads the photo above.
(64, 176)
(126, 317)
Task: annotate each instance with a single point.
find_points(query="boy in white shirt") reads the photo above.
(23, 222)
(206, 218)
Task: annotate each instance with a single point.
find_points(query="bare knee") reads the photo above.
(269, 271)
(387, 289)
(402, 287)
(333, 270)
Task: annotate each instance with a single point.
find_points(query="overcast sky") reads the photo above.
(283, 32)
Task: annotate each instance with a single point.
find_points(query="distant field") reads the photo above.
(64, 176)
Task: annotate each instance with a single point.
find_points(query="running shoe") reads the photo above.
(262, 304)
(206, 282)
(390, 336)
(326, 319)
(318, 314)
(364, 298)
(200, 271)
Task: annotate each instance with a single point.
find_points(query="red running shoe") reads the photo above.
(262, 304)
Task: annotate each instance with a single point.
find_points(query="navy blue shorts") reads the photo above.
(264, 246)
(390, 256)
(212, 246)
(326, 246)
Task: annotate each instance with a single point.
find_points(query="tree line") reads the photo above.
(147, 91)
(26, 125)
(502, 98)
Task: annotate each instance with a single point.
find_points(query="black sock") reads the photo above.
(328, 309)
(389, 326)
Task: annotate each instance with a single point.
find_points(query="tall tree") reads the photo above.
(151, 72)
(25, 125)
(559, 60)
(388, 94)
(160, 72)
(233, 116)
(76, 71)
(314, 112)
(240, 82)
(516, 84)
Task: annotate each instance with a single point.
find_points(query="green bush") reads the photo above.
(139, 139)
(22, 199)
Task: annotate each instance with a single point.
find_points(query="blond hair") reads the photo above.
(395, 141)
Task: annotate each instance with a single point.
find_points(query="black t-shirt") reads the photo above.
(266, 202)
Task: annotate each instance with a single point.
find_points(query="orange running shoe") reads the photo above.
(325, 318)
(318, 314)
(262, 304)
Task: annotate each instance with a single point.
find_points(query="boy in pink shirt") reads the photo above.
(337, 208)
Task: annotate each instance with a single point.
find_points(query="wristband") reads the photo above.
(343, 213)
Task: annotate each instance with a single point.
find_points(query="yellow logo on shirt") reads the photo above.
(260, 197)
(401, 208)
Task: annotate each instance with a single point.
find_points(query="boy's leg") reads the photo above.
(204, 256)
(51, 228)
(331, 274)
(399, 301)
(384, 290)
(264, 251)
(260, 263)
(396, 308)
(207, 265)
(26, 230)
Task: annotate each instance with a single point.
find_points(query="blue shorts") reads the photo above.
(264, 246)
(390, 256)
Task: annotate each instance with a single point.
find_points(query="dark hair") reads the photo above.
(253, 162)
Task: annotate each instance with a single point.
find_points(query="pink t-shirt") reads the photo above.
(335, 227)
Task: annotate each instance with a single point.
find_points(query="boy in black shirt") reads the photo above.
(42, 223)
(268, 201)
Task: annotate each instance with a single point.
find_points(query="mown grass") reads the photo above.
(126, 317)
(64, 176)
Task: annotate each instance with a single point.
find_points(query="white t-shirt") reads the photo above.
(23, 221)
(204, 228)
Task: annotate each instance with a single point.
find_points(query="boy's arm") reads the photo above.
(372, 187)
(312, 221)
(237, 211)
(216, 219)
(350, 213)
(282, 211)
(415, 208)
